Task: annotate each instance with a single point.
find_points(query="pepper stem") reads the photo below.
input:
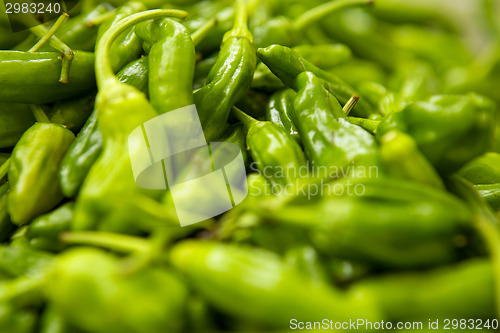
(203, 31)
(39, 114)
(47, 35)
(317, 13)
(4, 168)
(116, 242)
(60, 21)
(245, 119)
(351, 103)
(103, 69)
(240, 27)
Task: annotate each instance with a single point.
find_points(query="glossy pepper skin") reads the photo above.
(110, 184)
(329, 139)
(287, 64)
(33, 171)
(229, 78)
(275, 154)
(171, 64)
(386, 223)
(449, 130)
(136, 74)
(80, 157)
(279, 111)
(33, 78)
(253, 274)
(150, 300)
(463, 290)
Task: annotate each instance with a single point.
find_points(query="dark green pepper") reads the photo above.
(34, 77)
(72, 113)
(279, 111)
(80, 157)
(229, 78)
(286, 64)
(21, 261)
(14, 120)
(33, 171)
(171, 64)
(276, 155)
(136, 74)
(329, 140)
(449, 130)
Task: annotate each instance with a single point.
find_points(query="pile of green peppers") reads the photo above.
(371, 142)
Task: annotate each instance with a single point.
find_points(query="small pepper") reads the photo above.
(263, 289)
(449, 130)
(35, 161)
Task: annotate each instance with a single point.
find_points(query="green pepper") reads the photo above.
(79, 33)
(229, 78)
(34, 77)
(20, 261)
(449, 130)
(50, 225)
(280, 30)
(80, 157)
(72, 113)
(235, 134)
(279, 111)
(483, 170)
(463, 290)
(402, 159)
(263, 289)
(490, 193)
(171, 64)
(329, 140)
(33, 171)
(286, 64)
(275, 153)
(128, 46)
(150, 300)
(325, 56)
(136, 74)
(381, 222)
(14, 120)
(109, 198)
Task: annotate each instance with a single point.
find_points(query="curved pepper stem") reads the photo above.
(245, 119)
(47, 36)
(200, 33)
(317, 13)
(116, 242)
(103, 69)
(240, 28)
